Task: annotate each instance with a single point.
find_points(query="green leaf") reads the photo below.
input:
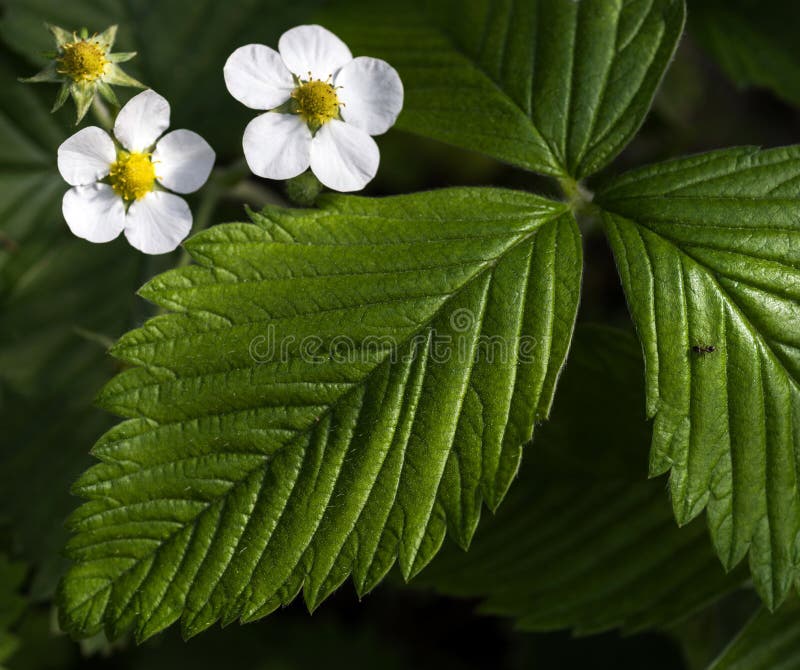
(754, 42)
(554, 86)
(336, 390)
(581, 542)
(707, 247)
(767, 641)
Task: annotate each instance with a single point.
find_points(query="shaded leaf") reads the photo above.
(767, 641)
(554, 86)
(583, 540)
(51, 284)
(707, 247)
(12, 604)
(754, 41)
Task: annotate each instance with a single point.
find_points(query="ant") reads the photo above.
(703, 349)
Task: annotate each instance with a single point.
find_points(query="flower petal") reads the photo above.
(372, 94)
(277, 146)
(344, 157)
(183, 161)
(142, 120)
(86, 157)
(313, 49)
(94, 212)
(256, 76)
(158, 223)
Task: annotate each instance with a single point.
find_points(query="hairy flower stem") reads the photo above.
(221, 183)
(103, 115)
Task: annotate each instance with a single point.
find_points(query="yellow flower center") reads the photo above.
(133, 175)
(317, 102)
(84, 60)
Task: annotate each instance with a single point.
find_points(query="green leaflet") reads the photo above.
(755, 42)
(248, 472)
(583, 541)
(554, 86)
(707, 248)
(767, 641)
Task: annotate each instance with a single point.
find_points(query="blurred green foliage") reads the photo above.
(754, 41)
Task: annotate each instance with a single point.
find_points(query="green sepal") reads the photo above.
(117, 77)
(120, 57)
(304, 189)
(107, 93)
(48, 75)
(61, 36)
(82, 94)
(108, 36)
(291, 106)
(61, 98)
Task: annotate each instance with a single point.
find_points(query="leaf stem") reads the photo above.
(580, 200)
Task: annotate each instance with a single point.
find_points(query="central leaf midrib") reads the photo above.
(525, 237)
(484, 266)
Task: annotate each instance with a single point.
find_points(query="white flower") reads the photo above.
(324, 105)
(115, 185)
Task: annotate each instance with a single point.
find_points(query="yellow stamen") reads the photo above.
(133, 175)
(84, 60)
(317, 102)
